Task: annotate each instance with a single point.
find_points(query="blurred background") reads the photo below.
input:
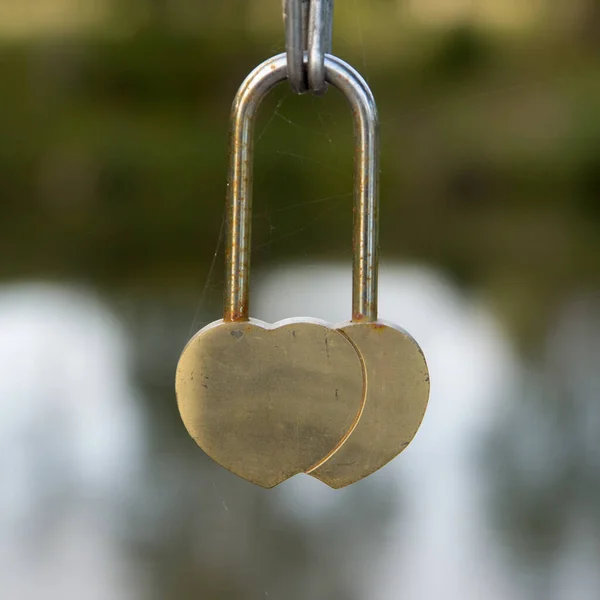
(113, 159)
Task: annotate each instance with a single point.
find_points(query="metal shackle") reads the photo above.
(366, 185)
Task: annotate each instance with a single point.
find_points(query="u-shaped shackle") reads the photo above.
(366, 185)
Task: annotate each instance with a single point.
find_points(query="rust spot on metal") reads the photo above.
(234, 316)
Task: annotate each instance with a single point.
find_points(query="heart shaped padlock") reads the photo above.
(270, 401)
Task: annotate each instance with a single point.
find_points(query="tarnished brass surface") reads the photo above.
(397, 396)
(270, 401)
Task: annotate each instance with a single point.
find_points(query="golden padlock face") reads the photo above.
(270, 401)
(396, 400)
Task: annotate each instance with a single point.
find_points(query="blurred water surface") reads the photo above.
(103, 495)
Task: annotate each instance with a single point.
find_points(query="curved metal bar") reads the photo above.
(366, 185)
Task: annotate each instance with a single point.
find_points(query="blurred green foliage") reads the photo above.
(114, 152)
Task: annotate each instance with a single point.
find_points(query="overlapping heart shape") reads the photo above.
(397, 395)
(270, 401)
